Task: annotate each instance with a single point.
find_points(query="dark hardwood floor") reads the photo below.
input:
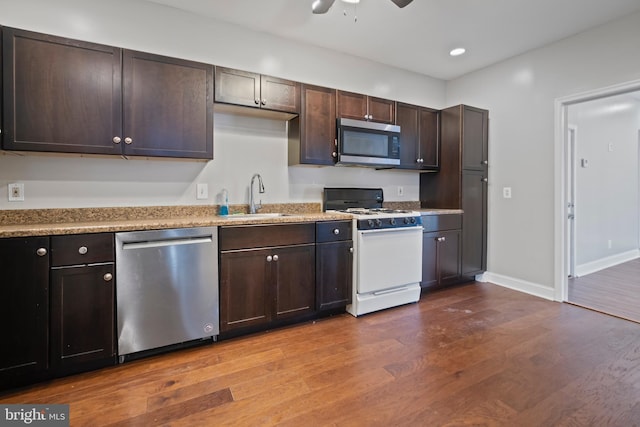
(614, 290)
(476, 355)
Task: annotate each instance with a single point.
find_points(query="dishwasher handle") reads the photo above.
(148, 244)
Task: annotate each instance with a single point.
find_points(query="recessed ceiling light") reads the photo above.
(457, 51)
(351, 1)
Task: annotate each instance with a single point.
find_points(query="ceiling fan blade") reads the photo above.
(321, 6)
(401, 3)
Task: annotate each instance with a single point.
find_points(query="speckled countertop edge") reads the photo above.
(49, 222)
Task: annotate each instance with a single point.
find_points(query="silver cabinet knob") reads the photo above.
(107, 277)
(264, 102)
(116, 140)
(485, 162)
(275, 257)
(350, 250)
(334, 154)
(257, 101)
(128, 140)
(41, 252)
(336, 231)
(269, 258)
(485, 180)
(82, 250)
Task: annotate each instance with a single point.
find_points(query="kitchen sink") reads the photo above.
(254, 216)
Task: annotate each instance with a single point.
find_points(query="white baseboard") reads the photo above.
(531, 288)
(610, 261)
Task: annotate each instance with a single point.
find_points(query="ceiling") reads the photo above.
(419, 37)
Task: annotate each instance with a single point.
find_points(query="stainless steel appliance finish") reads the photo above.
(363, 143)
(167, 288)
(387, 249)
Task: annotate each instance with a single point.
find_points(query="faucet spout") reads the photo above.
(252, 205)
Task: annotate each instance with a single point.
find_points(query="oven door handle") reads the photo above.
(395, 230)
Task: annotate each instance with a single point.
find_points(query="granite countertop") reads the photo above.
(48, 222)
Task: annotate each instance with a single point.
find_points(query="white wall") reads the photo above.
(242, 146)
(607, 188)
(520, 95)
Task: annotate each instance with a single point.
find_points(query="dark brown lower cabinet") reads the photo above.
(474, 224)
(334, 264)
(82, 317)
(441, 250)
(24, 310)
(267, 274)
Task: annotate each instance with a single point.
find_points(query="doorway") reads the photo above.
(597, 223)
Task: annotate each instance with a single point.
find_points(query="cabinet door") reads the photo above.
(382, 110)
(334, 274)
(475, 123)
(430, 273)
(279, 94)
(352, 105)
(24, 313)
(449, 249)
(60, 95)
(245, 298)
(82, 316)
(168, 107)
(312, 135)
(474, 222)
(429, 125)
(294, 280)
(407, 119)
(237, 87)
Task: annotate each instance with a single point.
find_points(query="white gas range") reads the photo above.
(387, 249)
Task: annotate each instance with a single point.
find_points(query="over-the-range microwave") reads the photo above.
(362, 143)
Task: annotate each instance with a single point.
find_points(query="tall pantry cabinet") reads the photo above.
(462, 180)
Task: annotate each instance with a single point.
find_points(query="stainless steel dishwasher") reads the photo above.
(167, 288)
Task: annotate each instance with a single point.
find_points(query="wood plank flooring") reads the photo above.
(476, 355)
(614, 290)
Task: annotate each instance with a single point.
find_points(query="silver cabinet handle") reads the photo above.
(336, 231)
(41, 252)
(82, 250)
(275, 257)
(269, 258)
(128, 140)
(116, 140)
(107, 277)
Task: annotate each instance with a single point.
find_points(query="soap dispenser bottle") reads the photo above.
(224, 208)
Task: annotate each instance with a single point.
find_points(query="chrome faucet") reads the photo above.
(252, 205)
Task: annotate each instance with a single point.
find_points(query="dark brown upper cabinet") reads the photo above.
(312, 134)
(419, 137)
(254, 90)
(64, 95)
(362, 107)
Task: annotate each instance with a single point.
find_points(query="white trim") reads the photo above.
(561, 282)
(531, 288)
(606, 262)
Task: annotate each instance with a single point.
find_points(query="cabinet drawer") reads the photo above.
(441, 222)
(332, 231)
(265, 235)
(81, 249)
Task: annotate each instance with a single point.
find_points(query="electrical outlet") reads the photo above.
(506, 192)
(16, 192)
(400, 191)
(202, 191)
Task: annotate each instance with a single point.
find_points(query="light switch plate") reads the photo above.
(202, 191)
(506, 192)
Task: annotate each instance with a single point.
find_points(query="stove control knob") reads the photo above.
(392, 221)
(412, 220)
(378, 222)
(370, 222)
(406, 220)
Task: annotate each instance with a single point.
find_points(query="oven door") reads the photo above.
(388, 258)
